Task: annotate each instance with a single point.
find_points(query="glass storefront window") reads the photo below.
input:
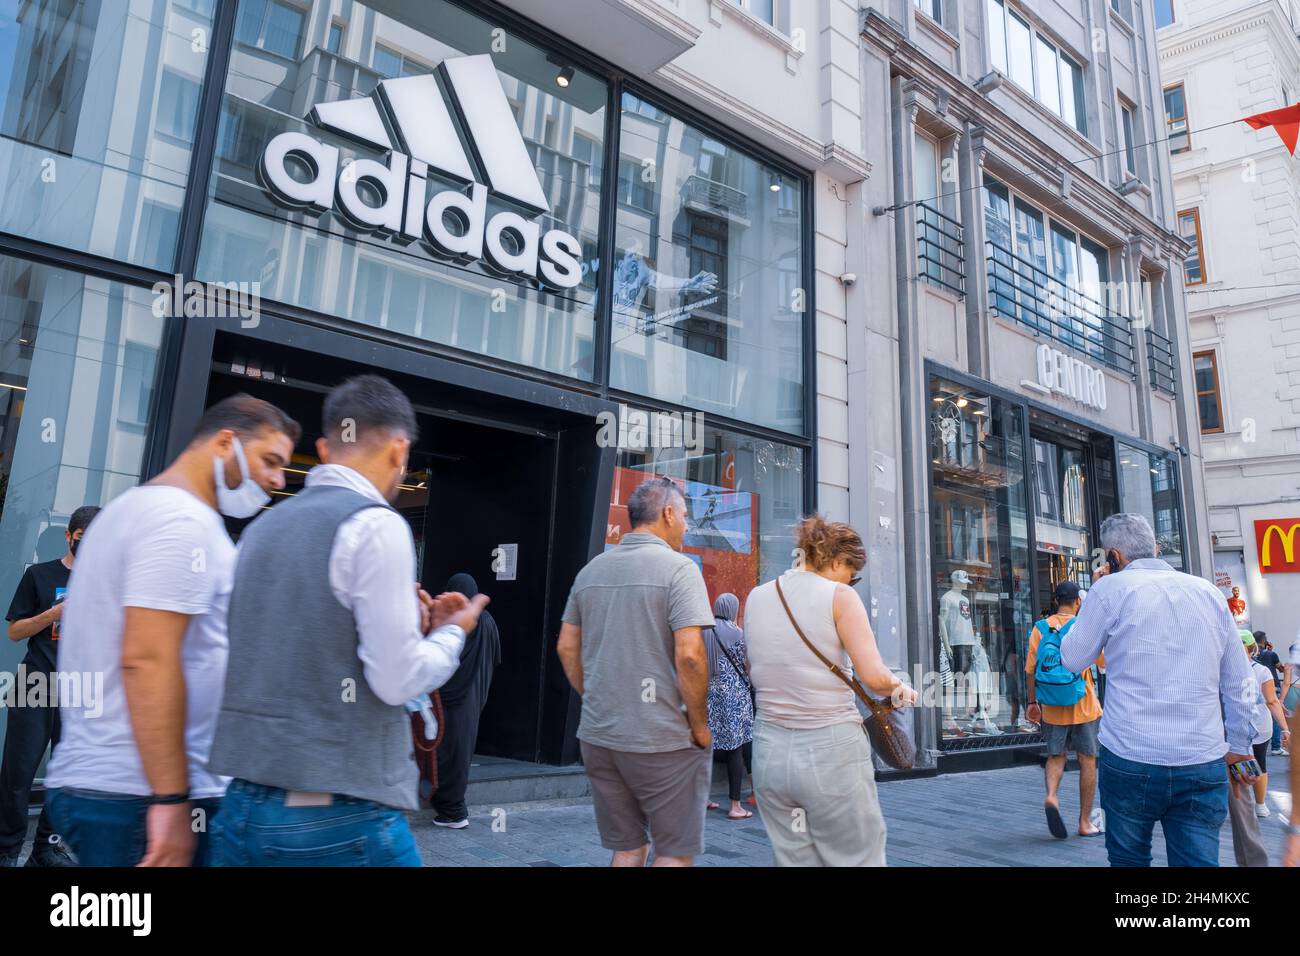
(1149, 484)
(77, 360)
(708, 309)
(744, 496)
(98, 106)
(381, 244)
(980, 560)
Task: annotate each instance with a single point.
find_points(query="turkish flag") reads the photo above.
(1286, 121)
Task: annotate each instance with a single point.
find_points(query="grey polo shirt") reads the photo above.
(628, 601)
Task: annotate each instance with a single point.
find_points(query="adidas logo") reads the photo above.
(409, 118)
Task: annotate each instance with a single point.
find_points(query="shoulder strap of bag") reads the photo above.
(727, 654)
(877, 707)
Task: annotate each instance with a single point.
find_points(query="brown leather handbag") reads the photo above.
(889, 738)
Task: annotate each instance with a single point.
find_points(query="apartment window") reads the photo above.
(178, 104)
(1122, 8)
(1189, 227)
(389, 62)
(765, 10)
(1130, 148)
(931, 8)
(335, 42)
(1209, 400)
(1036, 64)
(273, 25)
(1180, 139)
(1164, 12)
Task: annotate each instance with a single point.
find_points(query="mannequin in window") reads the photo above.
(957, 633)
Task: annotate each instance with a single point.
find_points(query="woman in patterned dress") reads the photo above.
(731, 708)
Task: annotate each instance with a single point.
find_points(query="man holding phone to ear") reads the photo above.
(1163, 733)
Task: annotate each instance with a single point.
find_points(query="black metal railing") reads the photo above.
(1020, 290)
(940, 249)
(1160, 362)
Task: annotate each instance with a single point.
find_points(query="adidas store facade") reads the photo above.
(578, 279)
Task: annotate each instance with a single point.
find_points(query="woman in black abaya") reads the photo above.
(463, 697)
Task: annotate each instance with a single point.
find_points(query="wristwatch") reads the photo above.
(169, 798)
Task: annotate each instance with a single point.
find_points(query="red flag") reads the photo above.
(1286, 121)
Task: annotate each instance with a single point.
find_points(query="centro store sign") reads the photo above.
(1062, 375)
(409, 118)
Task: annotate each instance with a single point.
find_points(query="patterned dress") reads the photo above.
(731, 712)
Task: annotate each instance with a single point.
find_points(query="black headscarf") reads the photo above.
(482, 651)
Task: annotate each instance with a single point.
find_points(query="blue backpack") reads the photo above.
(1053, 684)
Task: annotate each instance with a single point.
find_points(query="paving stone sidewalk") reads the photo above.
(988, 818)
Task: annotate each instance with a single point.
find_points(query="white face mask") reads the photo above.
(245, 500)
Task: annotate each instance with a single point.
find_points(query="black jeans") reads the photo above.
(29, 731)
(738, 764)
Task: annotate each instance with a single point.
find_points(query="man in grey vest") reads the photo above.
(328, 639)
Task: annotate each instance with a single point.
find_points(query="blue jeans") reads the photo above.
(1276, 742)
(108, 829)
(256, 829)
(1190, 804)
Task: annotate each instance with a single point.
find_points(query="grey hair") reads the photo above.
(649, 500)
(1130, 535)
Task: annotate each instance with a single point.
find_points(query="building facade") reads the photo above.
(1236, 195)
(1035, 339)
(586, 244)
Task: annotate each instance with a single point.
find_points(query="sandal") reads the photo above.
(744, 815)
(713, 806)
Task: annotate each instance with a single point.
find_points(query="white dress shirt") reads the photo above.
(1172, 650)
(372, 574)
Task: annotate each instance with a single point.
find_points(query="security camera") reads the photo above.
(848, 278)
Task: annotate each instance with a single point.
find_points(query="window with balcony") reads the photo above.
(1180, 139)
(939, 241)
(1189, 227)
(1036, 64)
(1209, 400)
(273, 25)
(1051, 279)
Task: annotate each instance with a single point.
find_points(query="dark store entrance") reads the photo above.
(481, 490)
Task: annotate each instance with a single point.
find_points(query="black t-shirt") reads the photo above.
(37, 591)
(1274, 663)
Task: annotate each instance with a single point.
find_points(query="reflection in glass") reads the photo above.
(95, 143)
(77, 360)
(707, 307)
(1149, 483)
(404, 287)
(980, 550)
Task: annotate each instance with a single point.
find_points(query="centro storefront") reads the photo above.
(577, 281)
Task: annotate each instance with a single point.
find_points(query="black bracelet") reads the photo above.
(170, 798)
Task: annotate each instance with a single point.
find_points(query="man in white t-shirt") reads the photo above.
(146, 609)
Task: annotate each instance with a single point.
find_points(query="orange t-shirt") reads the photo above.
(1089, 708)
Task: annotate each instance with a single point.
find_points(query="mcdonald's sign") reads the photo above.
(1275, 539)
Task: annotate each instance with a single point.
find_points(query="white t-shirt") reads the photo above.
(152, 547)
(1263, 717)
(955, 618)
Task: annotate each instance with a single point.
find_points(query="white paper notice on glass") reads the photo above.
(505, 559)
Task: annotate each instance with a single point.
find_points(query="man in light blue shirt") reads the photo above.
(1172, 651)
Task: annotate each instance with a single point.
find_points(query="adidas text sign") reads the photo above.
(410, 119)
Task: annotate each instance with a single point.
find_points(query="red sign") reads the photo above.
(1276, 544)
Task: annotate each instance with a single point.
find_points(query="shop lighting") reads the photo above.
(962, 402)
(776, 184)
(16, 388)
(564, 77)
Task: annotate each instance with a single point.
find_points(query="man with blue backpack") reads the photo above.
(1067, 707)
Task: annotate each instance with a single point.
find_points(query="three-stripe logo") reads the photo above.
(469, 136)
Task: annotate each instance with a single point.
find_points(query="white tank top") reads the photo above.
(793, 687)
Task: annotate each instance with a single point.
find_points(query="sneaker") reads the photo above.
(1098, 818)
(451, 824)
(1280, 752)
(54, 852)
(1261, 810)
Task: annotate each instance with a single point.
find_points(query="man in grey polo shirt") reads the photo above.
(631, 645)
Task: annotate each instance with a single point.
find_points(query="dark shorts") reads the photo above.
(963, 658)
(656, 798)
(1081, 738)
(1261, 754)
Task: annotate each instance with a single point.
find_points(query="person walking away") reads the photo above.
(631, 646)
(1270, 659)
(463, 698)
(813, 774)
(1268, 709)
(326, 649)
(1171, 653)
(146, 608)
(731, 704)
(1067, 708)
(33, 617)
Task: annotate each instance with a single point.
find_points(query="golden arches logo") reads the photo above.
(1284, 531)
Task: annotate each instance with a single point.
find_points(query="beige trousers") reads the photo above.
(816, 793)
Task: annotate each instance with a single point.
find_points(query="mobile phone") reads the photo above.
(1245, 771)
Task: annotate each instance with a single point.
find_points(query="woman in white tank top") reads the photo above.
(813, 777)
